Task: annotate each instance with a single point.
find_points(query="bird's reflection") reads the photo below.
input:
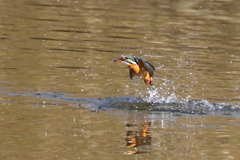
(138, 136)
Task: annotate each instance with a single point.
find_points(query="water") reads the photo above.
(61, 99)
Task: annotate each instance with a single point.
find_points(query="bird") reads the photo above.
(138, 66)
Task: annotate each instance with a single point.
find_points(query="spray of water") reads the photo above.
(156, 95)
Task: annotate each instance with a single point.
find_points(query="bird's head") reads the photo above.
(148, 81)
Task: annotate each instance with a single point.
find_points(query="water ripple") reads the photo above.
(192, 106)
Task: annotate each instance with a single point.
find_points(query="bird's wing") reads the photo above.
(146, 65)
(131, 74)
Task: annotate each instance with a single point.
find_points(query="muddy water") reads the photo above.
(54, 65)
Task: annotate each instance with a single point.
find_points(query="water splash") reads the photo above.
(159, 95)
(162, 100)
(154, 96)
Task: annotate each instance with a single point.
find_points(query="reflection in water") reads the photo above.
(138, 133)
(45, 129)
(136, 137)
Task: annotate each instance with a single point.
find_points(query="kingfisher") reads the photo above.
(138, 66)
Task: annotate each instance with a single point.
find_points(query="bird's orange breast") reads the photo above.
(135, 69)
(139, 71)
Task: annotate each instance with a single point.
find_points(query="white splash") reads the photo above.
(155, 96)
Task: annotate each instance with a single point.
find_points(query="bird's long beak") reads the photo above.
(116, 60)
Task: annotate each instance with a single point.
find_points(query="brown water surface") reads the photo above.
(64, 46)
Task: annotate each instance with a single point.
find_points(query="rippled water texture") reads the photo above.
(61, 99)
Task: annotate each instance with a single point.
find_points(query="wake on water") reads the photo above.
(153, 102)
